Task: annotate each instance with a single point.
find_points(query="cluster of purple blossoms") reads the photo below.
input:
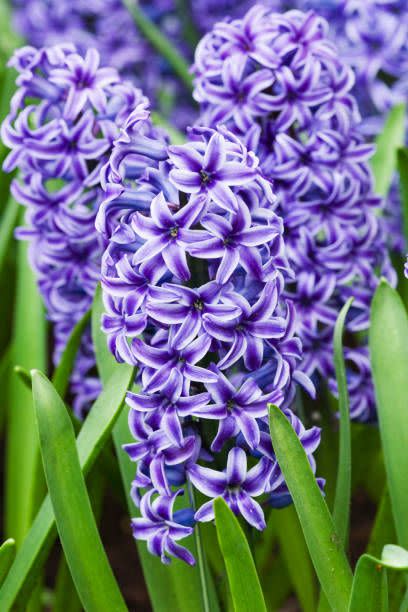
(193, 282)
(278, 83)
(108, 26)
(63, 120)
(371, 36)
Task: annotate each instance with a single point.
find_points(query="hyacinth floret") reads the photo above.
(278, 82)
(193, 284)
(64, 117)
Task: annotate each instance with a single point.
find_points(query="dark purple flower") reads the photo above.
(206, 170)
(236, 485)
(158, 525)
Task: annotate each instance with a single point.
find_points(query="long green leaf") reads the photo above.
(297, 559)
(29, 349)
(7, 225)
(369, 592)
(7, 554)
(388, 340)
(402, 160)
(4, 377)
(324, 544)
(341, 509)
(176, 586)
(243, 579)
(65, 595)
(91, 439)
(63, 371)
(384, 161)
(78, 533)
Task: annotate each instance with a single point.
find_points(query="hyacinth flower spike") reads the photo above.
(193, 279)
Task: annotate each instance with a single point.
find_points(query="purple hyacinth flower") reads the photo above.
(187, 306)
(235, 241)
(165, 232)
(85, 81)
(237, 409)
(207, 171)
(159, 527)
(236, 485)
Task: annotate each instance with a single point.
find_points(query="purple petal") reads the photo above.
(251, 511)
(236, 467)
(206, 480)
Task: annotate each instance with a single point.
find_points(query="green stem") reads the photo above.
(190, 32)
(160, 42)
(200, 557)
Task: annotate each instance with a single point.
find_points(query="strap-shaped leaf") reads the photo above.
(324, 544)
(63, 371)
(7, 225)
(296, 556)
(384, 161)
(403, 176)
(246, 591)
(78, 533)
(7, 554)
(341, 508)
(388, 339)
(91, 439)
(24, 487)
(369, 592)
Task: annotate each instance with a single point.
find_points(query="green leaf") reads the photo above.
(8, 223)
(5, 367)
(388, 341)
(384, 161)
(324, 544)
(23, 375)
(243, 579)
(383, 530)
(63, 371)
(296, 555)
(369, 591)
(341, 508)
(78, 533)
(402, 162)
(24, 482)
(7, 554)
(105, 361)
(94, 433)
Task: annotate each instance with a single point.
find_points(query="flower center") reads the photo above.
(174, 232)
(205, 177)
(198, 305)
(230, 404)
